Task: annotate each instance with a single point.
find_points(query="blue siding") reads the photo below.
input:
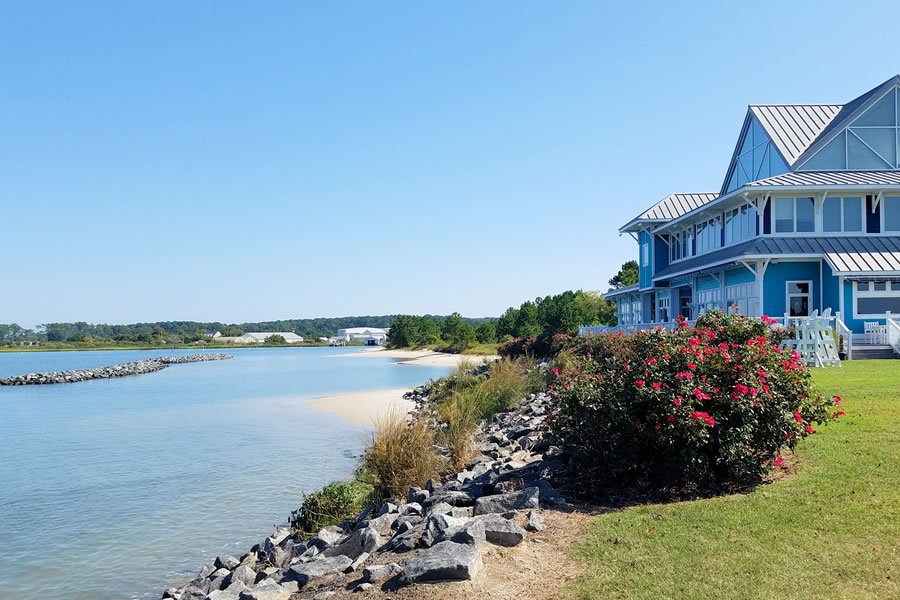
(775, 285)
(646, 273)
(707, 282)
(739, 276)
(831, 289)
(856, 325)
(660, 254)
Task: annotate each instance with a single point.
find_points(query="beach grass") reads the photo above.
(827, 528)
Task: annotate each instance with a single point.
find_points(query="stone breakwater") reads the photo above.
(138, 367)
(436, 534)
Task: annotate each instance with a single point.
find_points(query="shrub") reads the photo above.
(543, 346)
(461, 379)
(460, 416)
(332, 504)
(703, 406)
(401, 455)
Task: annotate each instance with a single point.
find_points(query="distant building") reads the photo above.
(259, 337)
(213, 334)
(370, 336)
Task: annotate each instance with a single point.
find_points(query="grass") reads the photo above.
(482, 349)
(400, 455)
(829, 530)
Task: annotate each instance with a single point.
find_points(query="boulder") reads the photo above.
(326, 537)
(320, 567)
(357, 563)
(363, 587)
(243, 573)
(500, 503)
(453, 498)
(388, 507)
(443, 562)
(232, 592)
(500, 531)
(403, 541)
(535, 521)
(226, 562)
(434, 527)
(384, 523)
(413, 508)
(418, 496)
(441, 508)
(361, 540)
(376, 573)
(267, 590)
(472, 533)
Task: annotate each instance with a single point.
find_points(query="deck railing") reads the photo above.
(893, 334)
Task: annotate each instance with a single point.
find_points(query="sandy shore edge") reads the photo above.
(427, 358)
(363, 408)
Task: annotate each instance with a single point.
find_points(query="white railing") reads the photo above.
(893, 334)
(846, 335)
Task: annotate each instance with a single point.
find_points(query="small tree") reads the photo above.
(276, 340)
(627, 275)
(487, 332)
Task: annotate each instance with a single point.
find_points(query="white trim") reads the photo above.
(857, 294)
(881, 228)
(788, 295)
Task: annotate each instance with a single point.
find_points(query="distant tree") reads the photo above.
(594, 309)
(456, 333)
(409, 331)
(628, 274)
(527, 323)
(276, 339)
(231, 331)
(487, 332)
(506, 324)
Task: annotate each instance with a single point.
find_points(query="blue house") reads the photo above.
(806, 219)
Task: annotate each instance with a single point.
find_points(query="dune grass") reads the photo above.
(830, 529)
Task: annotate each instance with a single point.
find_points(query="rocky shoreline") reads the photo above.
(138, 367)
(438, 534)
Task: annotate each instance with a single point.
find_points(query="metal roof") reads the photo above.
(671, 207)
(793, 127)
(831, 178)
(844, 254)
(625, 290)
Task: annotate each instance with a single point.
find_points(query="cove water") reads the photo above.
(118, 488)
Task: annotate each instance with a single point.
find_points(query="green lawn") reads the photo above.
(831, 530)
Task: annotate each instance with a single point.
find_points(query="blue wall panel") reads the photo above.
(646, 273)
(660, 254)
(707, 282)
(739, 276)
(775, 285)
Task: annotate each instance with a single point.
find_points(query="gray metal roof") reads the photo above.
(625, 290)
(831, 178)
(671, 207)
(793, 127)
(844, 254)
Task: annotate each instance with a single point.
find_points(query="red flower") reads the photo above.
(657, 427)
(639, 383)
(677, 400)
(798, 417)
(656, 385)
(700, 415)
(839, 413)
(691, 366)
(778, 461)
(670, 418)
(700, 395)
(837, 400)
(555, 370)
(788, 435)
(809, 429)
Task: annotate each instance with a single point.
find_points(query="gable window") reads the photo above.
(872, 299)
(798, 295)
(842, 214)
(890, 208)
(795, 215)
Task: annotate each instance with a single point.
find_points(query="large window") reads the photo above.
(740, 224)
(794, 215)
(708, 236)
(875, 298)
(681, 245)
(890, 207)
(842, 214)
(798, 296)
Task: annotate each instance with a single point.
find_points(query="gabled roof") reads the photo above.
(670, 207)
(846, 115)
(845, 255)
(831, 178)
(793, 127)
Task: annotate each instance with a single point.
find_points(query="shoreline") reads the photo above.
(427, 358)
(363, 408)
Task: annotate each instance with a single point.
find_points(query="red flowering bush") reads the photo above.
(698, 406)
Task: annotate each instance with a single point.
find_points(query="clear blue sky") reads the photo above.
(251, 161)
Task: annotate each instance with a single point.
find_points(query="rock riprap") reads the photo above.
(437, 534)
(137, 367)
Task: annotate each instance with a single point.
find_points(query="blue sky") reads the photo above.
(253, 161)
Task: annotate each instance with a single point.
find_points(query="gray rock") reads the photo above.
(376, 573)
(384, 523)
(441, 508)
(363, 587)
(280, 557)
(453, 498)
(206, 571)
(472, 533)
(550, 498)
(232, 592)
(500, 531)
(324, 595)
(461, 512)
(361, 540)
(434, 527)
(326, 537)
(442, 562)
(267, 590)
(418, 496)
(320, 567)
(223, 572)
(226, 562)
(309, 555)
(243, 573)
(274, 540)
(388, 507)
(500, 503)
(413, 508)
(403, 541)
(535, 521)
(357, 562)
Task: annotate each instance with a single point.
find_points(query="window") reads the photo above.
(662, 309)
(872, 299)
(645, 254)
(795, 215)
(742, 297)
(681, 245)
(708, 236)
(890, 207)
(709, 300)
(842, 214)
(740, 224)
(798, 295)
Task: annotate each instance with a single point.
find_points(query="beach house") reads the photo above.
(806, 220)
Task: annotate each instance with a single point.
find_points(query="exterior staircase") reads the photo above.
(864, 351)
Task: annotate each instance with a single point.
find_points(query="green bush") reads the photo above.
(696, 407)
(332, 504)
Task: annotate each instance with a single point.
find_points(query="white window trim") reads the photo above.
(816, 217)
(881, 212)
(788, 295)
(872, 294)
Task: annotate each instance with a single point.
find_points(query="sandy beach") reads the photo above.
(363, 408)
(420, 357)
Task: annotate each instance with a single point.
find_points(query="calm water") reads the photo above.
(114, 489)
